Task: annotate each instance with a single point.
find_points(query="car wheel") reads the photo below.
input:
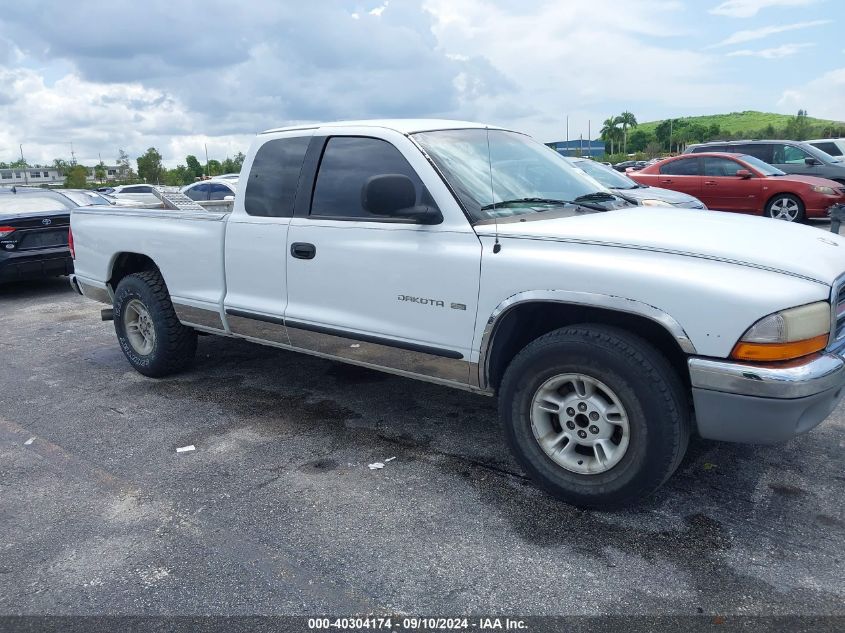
(785, 207)
(153, 340)
(595, 415)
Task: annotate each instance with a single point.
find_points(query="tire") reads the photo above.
(785, 206)
(624, 367)
(153, 340)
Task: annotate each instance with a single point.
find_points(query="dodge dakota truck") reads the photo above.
(476, 257)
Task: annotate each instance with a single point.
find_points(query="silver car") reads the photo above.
(642, 195)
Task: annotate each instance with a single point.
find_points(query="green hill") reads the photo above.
(745, 123)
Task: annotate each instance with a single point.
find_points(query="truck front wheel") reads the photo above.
(595, 415)
(150, 335)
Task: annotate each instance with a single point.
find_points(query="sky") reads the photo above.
(177, 75)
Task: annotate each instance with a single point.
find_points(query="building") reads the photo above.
(31, 176)
(579, 147)
(51, 176)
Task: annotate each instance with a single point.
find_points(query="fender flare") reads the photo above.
(587, 299)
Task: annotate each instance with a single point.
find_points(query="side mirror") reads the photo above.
(812, 161)
(395, 195)
(743, 173)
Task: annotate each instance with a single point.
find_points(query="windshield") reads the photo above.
(522, 168)
(762, 167)
(607, 176)
(84, 199)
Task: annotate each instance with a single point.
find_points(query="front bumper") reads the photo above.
(764, 403)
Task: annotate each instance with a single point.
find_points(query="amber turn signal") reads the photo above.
(778, 351)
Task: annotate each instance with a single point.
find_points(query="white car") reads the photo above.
(212, 189)
(474, 257)
(832, 146)
(137, 193)
(640, 194)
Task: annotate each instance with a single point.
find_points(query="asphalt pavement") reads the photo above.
(277, 512)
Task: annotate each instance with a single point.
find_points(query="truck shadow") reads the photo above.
(35, 289)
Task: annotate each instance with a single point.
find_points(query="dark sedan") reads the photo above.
(625, 165)
(34, 235)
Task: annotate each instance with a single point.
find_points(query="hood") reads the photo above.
(791, 249)
(656, 193)
(808, 180)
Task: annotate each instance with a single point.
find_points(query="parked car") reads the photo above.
(833, 146)
(86, 197)
(34, 234)
(791, 157)
(139, 193)
(625, 165)
(632, 190)
(744, 184)
(212, 189)
(458, 253)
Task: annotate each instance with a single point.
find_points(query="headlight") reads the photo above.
(786, 334)
(655, 203)
(830, 191)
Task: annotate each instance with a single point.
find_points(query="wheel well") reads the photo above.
(127, 264)
(528, 321)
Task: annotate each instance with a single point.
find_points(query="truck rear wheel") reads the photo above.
(150, 335)
(595, 415)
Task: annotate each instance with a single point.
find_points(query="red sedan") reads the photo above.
(744, 184)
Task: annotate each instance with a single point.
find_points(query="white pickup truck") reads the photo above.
(477, 258)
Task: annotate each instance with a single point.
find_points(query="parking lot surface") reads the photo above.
(277, 512)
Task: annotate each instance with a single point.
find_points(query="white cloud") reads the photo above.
(750, 35)
(562, 68)
(778, 52)
(750, 8)
(821, 97)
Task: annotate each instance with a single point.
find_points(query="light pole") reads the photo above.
(25, 172)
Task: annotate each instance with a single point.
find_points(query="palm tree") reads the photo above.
(627, 120)
(610, 132)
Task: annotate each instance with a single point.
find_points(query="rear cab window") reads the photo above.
(274, 176)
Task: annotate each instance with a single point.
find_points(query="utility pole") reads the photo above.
(208, 175)
(670, 135)
(567, 132)
(72, 154)
(589, 139)
(25, 170)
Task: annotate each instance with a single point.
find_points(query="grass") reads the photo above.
(743, 122)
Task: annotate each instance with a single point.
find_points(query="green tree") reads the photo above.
(626, 120)
(150, 167)
(181, 175)
(638, 139)
(653, 149)
(100, 171)
(75, 177)
(610, 132)
(214, 168)
(239, 161)
(61, 164)
(194, 166)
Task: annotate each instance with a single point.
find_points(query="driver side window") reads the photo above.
(347, 164)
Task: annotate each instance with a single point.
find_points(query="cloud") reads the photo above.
(750, 35)
(778, 52)
(750, 8)
(822, 97)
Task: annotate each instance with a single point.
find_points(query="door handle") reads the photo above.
(303, 250)
(710, 182)
(665, 180)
